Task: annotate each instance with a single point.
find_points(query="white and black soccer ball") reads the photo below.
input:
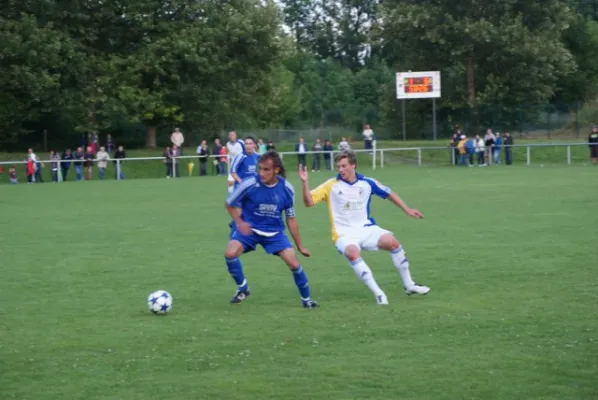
(159, 302)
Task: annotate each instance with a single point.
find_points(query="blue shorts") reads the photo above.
(271, 244)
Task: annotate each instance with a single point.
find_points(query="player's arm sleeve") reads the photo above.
(235, 199)
(289, 209)
(379, 189)
(235, 163)
(322, 192)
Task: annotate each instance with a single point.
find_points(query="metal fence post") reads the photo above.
(374, 156)
(118, 169)
(528, 151)
(381, 158)
(419, 156)
(569, 154)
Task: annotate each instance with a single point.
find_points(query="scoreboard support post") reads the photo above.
(418, 85)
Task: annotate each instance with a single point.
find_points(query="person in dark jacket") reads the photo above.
(167, 161)
(328, 155)
(78, 157)
(508, 148)
(67, 157)
(119, 155)
(204, 153)
(301, 150)
(593, 144)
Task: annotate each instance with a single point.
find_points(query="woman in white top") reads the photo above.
(479, 149)
(344, 145)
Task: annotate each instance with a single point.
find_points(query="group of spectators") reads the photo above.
(481, 150)
(82, 160)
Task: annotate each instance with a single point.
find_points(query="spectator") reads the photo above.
(328, 149)
(30, 170)
(301, 150)
(109, 143)
(368, 137)
(454, 151)
(216, 151)
(270, 146)
(119, 156)
(222, 166)
(67, 157)
(497, 148)
(508, 149)
(204, 153)
(470, 148)
(78, 157)
(262, 148)
(593, 144)
(167, 161)
(175, 153)
(177, 140)
(462, 150)
(489, 140)
(479, 149)
(102, 157)
(88, 156)
(344, 145)
(93, 143)
(12, 175)
(317, 149)
(54, 161)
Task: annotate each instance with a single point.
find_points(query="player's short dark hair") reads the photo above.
(348, 154)
(276, 162)
(252, 138)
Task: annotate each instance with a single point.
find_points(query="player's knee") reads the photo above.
(388, 242)
(352, 253)
(230, 253)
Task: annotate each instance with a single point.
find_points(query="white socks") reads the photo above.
(400, 261)
(230, 189)
(364, 273)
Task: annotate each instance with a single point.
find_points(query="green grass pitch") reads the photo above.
(510, 254)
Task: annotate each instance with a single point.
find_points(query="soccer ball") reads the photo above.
(159, 302)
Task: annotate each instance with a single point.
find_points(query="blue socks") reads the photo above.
(235, 269)
(302, 283)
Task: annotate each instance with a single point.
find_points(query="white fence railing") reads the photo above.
(377, 156)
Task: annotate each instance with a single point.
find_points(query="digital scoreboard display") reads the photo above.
(418, 85)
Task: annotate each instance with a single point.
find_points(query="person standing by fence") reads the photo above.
(301, 150)
(102, 157)
(593, 143)
(508, 148)
(317, 149)
(54, 165)
(328, 155)
(67, 157)
(119, 155)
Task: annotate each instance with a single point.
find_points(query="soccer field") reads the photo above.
(510, 255)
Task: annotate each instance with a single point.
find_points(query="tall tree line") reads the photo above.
(81, 66)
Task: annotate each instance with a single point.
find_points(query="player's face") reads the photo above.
(345, 169)
(232, 136)
(267, 172)
(249, 146)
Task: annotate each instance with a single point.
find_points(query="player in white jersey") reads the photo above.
(349, 197)
(234, 147)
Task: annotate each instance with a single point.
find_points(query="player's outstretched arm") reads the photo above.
(412, 212)
(293, 226)
(306, 194)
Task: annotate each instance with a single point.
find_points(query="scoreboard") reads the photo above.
(418, 85)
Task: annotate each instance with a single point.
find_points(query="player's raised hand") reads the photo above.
(305, 252)
(415, 213)
(302, 173)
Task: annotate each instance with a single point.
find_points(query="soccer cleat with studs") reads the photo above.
(310, 304)
(417, 289)
(381, 300)
(240, 296)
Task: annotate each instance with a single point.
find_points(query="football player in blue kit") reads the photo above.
(257, 206)
(244, 164)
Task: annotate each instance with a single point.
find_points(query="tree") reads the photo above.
(494, 56)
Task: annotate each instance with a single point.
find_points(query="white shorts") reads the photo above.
(365, 238)
(230, 178)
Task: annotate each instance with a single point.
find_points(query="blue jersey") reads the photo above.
(244, 165)
(262, 206)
